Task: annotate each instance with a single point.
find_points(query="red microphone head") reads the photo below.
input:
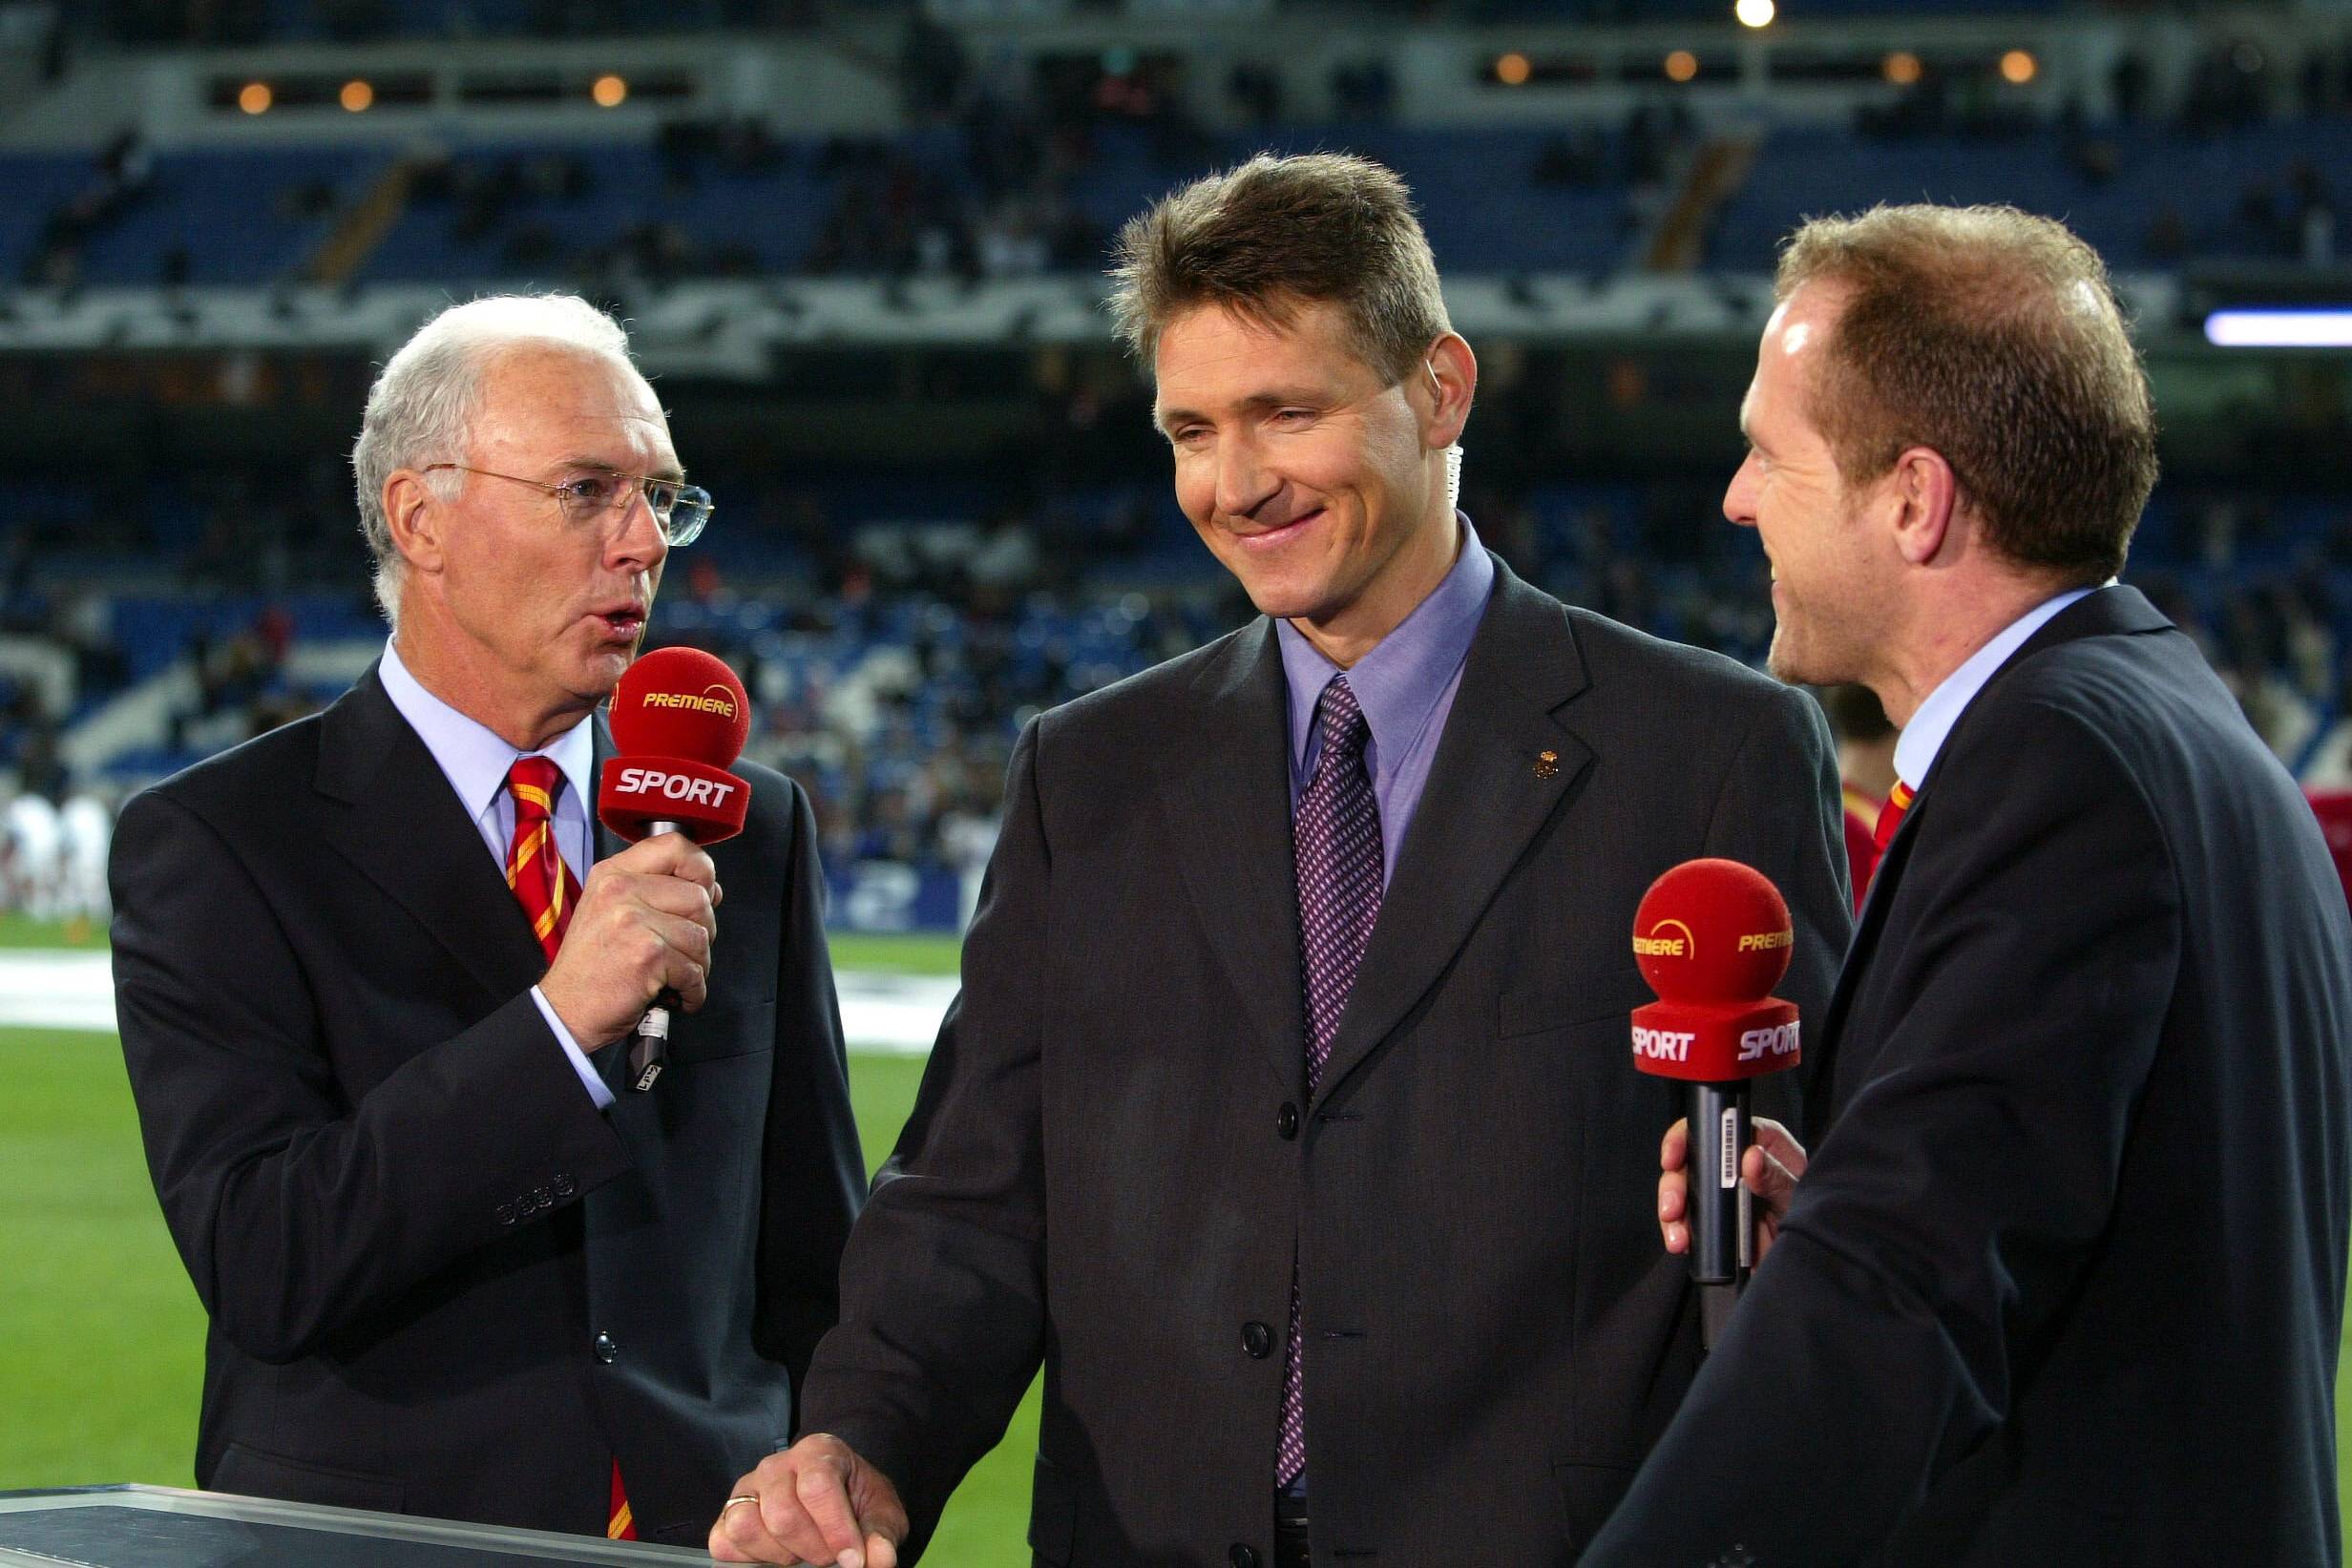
(680, 717)
(682, 703)
(1712, 937)
(1712, 930)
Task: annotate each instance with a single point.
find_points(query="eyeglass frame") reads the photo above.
(693, 496)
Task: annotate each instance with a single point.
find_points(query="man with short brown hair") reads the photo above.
(2064, 1280)
(1285, 1116)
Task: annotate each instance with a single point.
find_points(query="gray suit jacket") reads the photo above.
(1113, 1163)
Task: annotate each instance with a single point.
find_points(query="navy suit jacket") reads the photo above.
(2064, 1281)
(440, 1280)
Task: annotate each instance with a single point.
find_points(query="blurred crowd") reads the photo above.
(892, 670)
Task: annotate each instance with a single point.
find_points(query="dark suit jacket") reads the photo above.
(440, 1280)
(2065, 1281)
(1112, 1163)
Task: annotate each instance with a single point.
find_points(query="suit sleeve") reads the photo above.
(943, 1308)
(1780, 812)
(815, 1171)
(1951, 1205)
(299, 1210)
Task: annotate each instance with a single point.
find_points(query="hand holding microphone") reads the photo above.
(1712, 937)
(646, 923)
(1770, 1170)
(679, 718)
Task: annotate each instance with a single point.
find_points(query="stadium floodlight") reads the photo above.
(1682, 66)
(609, 91)
(357, 97)
(2018, 66)
(2330, 328)
(1754, 13)
(255, 98)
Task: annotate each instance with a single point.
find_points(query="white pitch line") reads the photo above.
(890, 1014)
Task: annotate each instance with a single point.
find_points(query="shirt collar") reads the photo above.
(472, 756)
(1924, 737)
(1400, 681)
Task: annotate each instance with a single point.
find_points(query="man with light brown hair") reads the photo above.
(2063, 1283)
(1284, 1118)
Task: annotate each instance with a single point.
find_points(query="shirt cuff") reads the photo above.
(589, 1077)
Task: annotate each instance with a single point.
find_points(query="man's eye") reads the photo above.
(590, 490)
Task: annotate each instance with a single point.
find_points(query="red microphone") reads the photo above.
(679, 718)
(1712, 937)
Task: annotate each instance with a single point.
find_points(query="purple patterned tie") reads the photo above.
(1335, 845)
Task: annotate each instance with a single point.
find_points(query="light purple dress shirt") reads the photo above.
(1405, 686)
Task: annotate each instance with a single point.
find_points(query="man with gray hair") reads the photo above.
(372, 970)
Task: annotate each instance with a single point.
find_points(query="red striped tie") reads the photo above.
(543, 885)
(548, 891)
(1890, 815)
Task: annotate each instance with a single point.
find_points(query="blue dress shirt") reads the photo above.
(1405, 686)
(476, 759)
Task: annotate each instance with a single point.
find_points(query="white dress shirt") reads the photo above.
(1915, 751)
(475, 762)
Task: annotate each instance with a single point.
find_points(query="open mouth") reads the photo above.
(620, 624)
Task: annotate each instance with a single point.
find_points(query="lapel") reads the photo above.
(1228, 810)
(407, 832)
(2106, 612)
(1479, 810)
(608, 842)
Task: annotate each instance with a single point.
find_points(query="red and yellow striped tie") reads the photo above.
(1890, 815)
(544, 885)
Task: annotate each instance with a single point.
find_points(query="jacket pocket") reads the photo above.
(1053, 1514)
(1537, 1009)
(1589, 1493)
(253, 1474)
(723, 1029)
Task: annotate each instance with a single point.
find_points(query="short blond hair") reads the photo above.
(1994, 337)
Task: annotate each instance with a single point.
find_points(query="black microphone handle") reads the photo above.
(649, 1050)
(1719, 1210)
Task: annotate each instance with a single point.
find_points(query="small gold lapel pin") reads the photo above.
(1546, 763)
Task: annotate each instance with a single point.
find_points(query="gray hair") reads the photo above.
(426, 397)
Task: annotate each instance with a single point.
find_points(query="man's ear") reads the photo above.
(418, 518)
(1448, 383)
(1924, 494)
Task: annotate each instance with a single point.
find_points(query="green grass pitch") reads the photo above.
(101, 1339)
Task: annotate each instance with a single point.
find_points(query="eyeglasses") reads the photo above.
(680, 510)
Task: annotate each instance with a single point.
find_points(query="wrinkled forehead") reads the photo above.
(573, 399)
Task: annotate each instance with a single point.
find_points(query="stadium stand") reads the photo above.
(921, 543)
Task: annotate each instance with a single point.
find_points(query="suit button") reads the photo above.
(1286, 1120)
(607, 1351)
(541, 1198)
(506, 1214)
(1242, 1557)
(1258, 1340)
(564, 1186)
